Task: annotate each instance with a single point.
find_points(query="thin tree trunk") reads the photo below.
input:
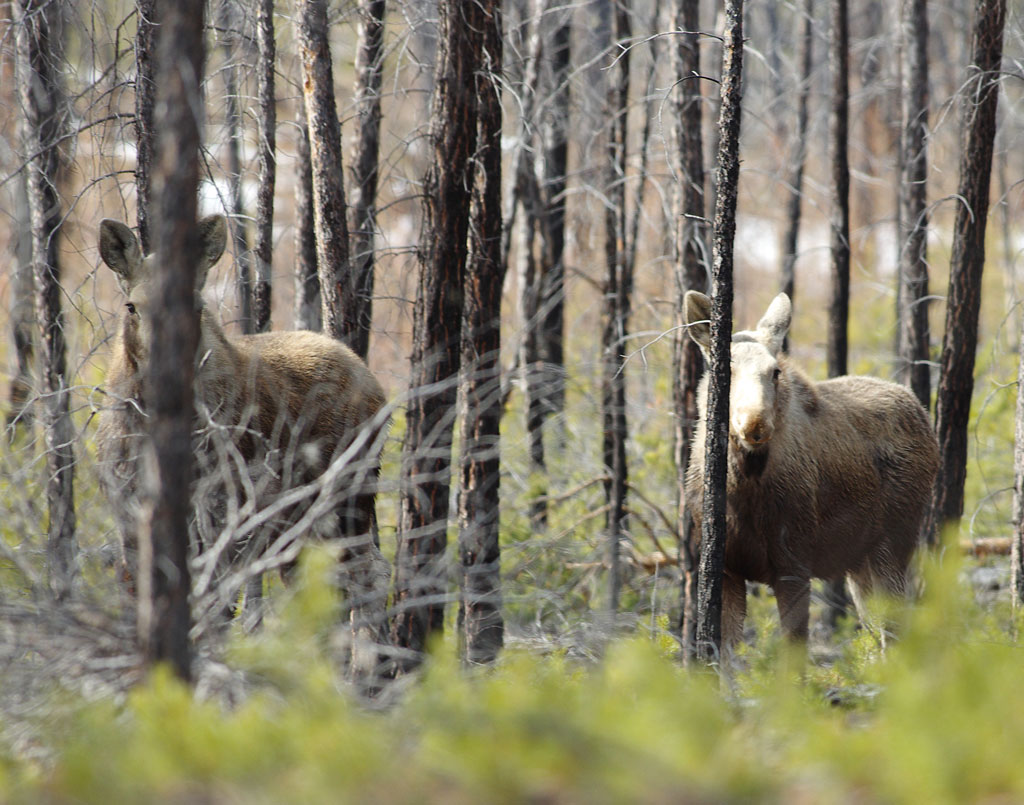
(798, 157)
(307, 277)
(482, 628)
(40, 53)
(420, 584)
(555, 145)
(913, 269)
(836, 598)
(148, 21)
(839, 304)
(712, 548)
(267, 132)
(616, 303)
(963, 301)
(165, 618)
(369, 63)
(1017, 544)
(229, 20)
(690, 274)
(336, 286)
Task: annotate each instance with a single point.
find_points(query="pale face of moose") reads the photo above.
(121, 251)
(753, 395)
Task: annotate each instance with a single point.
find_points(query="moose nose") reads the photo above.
(754, 430)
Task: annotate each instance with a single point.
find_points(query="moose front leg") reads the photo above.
(793, 598)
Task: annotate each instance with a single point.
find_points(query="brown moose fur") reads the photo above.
(284, 403)
(825, 480)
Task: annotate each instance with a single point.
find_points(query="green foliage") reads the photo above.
(932, 718)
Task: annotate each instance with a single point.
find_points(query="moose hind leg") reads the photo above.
(734, 611)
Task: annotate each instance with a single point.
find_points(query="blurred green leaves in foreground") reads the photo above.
(934, 718)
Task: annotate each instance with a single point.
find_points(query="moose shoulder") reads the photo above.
(273, 411)
(825, 480)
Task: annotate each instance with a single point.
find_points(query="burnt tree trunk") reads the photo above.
(164, 614)
(554, 130)
(913, 267)
(420, 578)
(712, 548)
(336, 287)
(616, 303)
(40, 54)
(267, 134)
(234, 48)
(481, 625)
(148, 20)
(690, 274)
(369, 63)
(839, 304)
(307, 277)
(798, 157)
(963, 301)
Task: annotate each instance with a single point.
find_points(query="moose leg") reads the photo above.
(734, 610)
(793, 599)
(365, 574)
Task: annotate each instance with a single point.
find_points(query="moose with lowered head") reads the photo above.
(276, 413)
(825, 479)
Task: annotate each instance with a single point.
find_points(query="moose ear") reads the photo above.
(120, 250)
(212, 240)
(772, 329)
(698, 318)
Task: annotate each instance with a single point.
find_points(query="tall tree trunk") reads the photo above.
(229, 21)
(267, 130)
(164, 616)
(616, 302)
(690, 274)
(913, 268)
(798, 156)
(1017, 542)
(839, 304)
(40, 54)
(337, 289)
(555, 146)
(963, 301)
(712, 548)
(148, 21)
(837, 600)
(482, 628)
(420, 587)
(369, 63)
(307, 277)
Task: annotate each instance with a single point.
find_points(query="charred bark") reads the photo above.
(148, 22)
(839, 304)
(164, 614)
(481, 624)
(40, 54)
(337, 290)
(712, 548)
(690, 274)
(307, 277)
(963, 300)
(420, 579)
(913, 268)
(369, 63)
(267, 131)
(618, 287)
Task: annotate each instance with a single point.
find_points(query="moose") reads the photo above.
(275, 413)
(825, 479)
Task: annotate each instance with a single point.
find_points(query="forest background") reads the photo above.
(573, 716)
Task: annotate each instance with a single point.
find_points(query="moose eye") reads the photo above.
(131, 307)
(775, 375)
